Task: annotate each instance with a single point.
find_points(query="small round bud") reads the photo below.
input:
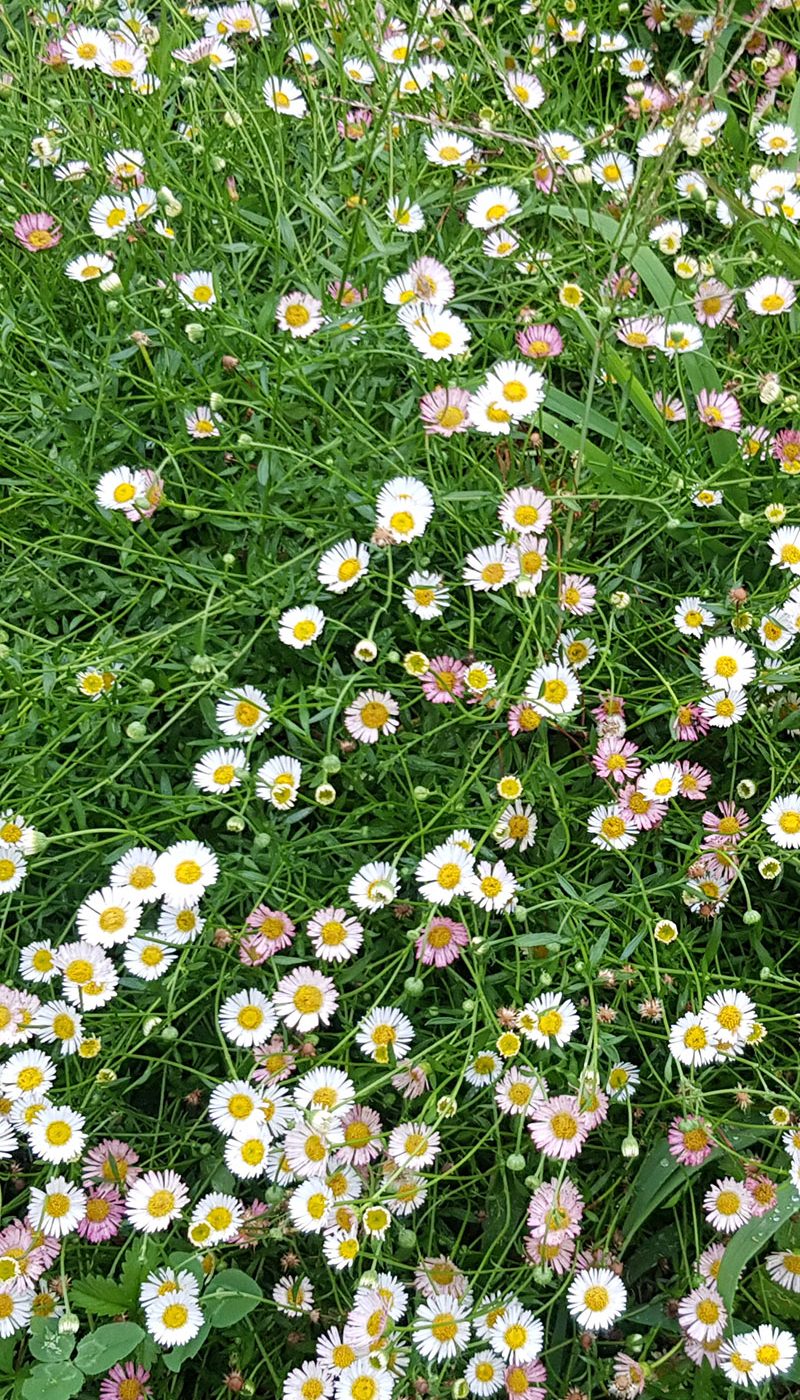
(168, 1034)
(232, 119)
(447, 1106)
(234, 824)
(421, 793)
(147, 685)
(468, 1004)
(620, 600)
(775, 513)
(520, 914)
(261, 840)
(229, 560)
(459, 1389)
(665, 931)
(770, 868)
(630, 1147)
(104, 1077)
(194, 331)
(406, 1239)
(68, 1325)
(750, 917)
(136, 730)
(365, 650)
(413, 986)
(769, 388)
(746, 520)
(325, 794)
(110, 283)
(515, 1162)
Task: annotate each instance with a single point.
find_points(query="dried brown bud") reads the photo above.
(230, 363)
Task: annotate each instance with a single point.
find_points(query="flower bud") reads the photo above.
(234, 824)
(413, 986)
(194, 331)
(110, 283)
(421, 793)
(751, 916)
(136, 731)
(325, 794)
(630, 1147)
(515, 1162)
(365, 650)
(746, 788)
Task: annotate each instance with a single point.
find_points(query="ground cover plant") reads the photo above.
(400, 801)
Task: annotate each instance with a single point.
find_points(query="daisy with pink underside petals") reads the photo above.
(440, 943)
(616, 759)
(702, 1313)
(672, 410)
(522, 718)
(372, 713)
(525, 510)
(539, 342)
(335, 936)
(558, 1127)
(641, 332)
(719, 409)
(762, 1192)
(445, 411)
(37, 232)
(709, 1262)
(526, 1380)
(443, 682)
(712, 303)
(690, 1141)
(576, 595)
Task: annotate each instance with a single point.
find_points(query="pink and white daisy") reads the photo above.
(558, 1127)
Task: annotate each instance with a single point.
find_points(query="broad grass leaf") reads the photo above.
(749, 1239)
(658, 1177)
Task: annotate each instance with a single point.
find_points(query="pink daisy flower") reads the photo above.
(105, 1209)
(555, 1208)
(558, 1127)
(37, 232)
(539, 342)
(786, 449)
(672, 410)
(355, 125)
(110, 1163)
(754, 442)
(33, 1250)
(255, 1224)
(576, 595)
(526, 1382)
(688, 723)
(445, 411)
(593, 1105)
(441, 942)
(438, 1275)
(410, 1080)
(610, 707)
(346, 294)
(126, 1381)
(443, 682)
(695, 781)
(720, 862)
(273, 1062)
(360, 1132)
(655, 15)
(252, 950)
(728, 824)
(622, 285)
(544, 177)
(641, 332)
(274, 929)
(553, 1252)
(644, 812)
(616, 759)
(719, 409)
(762, 1192)
(522, 719)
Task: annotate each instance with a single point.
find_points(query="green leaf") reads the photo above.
(57, 1381)
(107, 1345)
(174, 1359)
(751, 1238)
(230, 1297)
(778, 1302)
(100, 1296)
(46, 1343)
